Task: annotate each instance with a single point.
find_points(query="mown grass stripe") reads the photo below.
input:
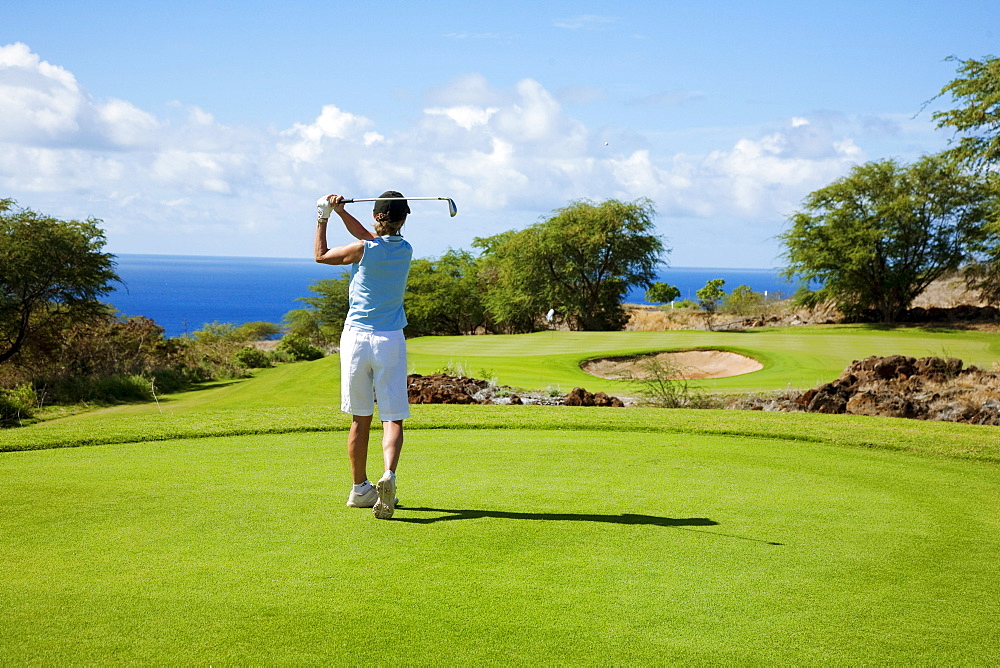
(510, 546)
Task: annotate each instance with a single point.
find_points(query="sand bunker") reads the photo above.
(690, 364)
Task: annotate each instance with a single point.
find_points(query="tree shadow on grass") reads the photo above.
(624, 518)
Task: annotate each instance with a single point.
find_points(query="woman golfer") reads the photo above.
(372, 347)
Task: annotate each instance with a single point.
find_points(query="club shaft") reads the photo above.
(452, 209)
(387, 199)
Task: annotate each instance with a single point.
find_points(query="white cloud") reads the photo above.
(534, 117)
(196, 170)
(467, 90)
(237, 190)
(760, 178)
(332, 124)
(466, 116)
(198, 116)
(126, 125)
(42, 103)
(38, 101)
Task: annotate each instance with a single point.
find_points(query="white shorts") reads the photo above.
(373, 364)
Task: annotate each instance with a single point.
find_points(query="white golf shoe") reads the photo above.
(365, 499)
(386, 504)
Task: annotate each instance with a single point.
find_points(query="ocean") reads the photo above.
(183, 293)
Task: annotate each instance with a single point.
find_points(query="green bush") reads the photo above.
(106, 389)
(664, 384)
(252, 358)
(744, 301)
(299, 348)
(172, 380)
(279, 356)
(17, 404)
(112, 359)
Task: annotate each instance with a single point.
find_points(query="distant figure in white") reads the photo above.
(372, 347)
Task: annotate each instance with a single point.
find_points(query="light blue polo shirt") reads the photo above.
(378, 284)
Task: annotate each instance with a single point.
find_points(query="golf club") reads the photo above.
(452, 209)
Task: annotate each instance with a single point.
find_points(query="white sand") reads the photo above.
(691, 364)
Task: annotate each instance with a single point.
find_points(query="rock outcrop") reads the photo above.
(581, 397)
(928, 388)
(440, 388)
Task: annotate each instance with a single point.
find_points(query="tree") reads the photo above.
(443, 296)
(661, 293)
(257, 330)
(976, 142)
(304, 323)
(743, 301)
(709, 298)
(331, 304)
(215, 332)
(512, 290)
(976, 121)
(876, 238)
(51, 271)
(580, 262)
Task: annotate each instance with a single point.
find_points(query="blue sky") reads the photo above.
(210, 128)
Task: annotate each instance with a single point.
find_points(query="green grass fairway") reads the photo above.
(524, 546)
(797, 357)
(211, 528)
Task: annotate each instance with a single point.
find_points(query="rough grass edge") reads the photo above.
(950, 441)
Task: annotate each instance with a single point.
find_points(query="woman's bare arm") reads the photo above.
(353, 225)
(347, 254)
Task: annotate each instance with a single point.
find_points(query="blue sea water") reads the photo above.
(182, 293)
(691, 279)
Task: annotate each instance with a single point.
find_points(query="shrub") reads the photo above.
(743, 301)
(279, 356)
(310, 324)
(299, 348)
(252, 358)
(171, 380)
(112, 359)
(664, 385)
(17, 404)
(105, 389)
(453, 369)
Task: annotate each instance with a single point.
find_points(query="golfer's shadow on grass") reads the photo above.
(625, 518)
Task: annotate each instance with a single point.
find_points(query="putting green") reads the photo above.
(524, 546)
(796, 357)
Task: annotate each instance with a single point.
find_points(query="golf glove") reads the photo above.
(323, 208)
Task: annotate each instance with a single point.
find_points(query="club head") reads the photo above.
(452, 209)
